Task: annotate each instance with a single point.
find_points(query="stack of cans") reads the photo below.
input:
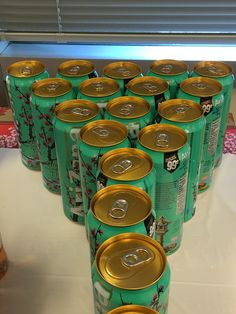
(129, 155)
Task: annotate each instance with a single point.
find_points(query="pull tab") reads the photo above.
(127, 109)
(200, 85)
(81, 111)
(99, 86)
(52, 87)
(167, 68)
(101, 131)
(215, 70)
(182, 109)
(122, 166)
(150, 87)
(162, 140)
(137, 257)
(123, 71)
(74, 70)
(26, 70)
(119, 209)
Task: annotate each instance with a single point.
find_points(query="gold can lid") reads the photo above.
(201, 86)
(117, 205)
(147, 86)
(180, 110)
(214, 69)
(75, 68)
(126, 164)
(103, 133)
(122, 70)
(51, 87)
(162, 137)
(131, 261)
(168, 67)
(25, 68)
(128, 107)
(99, 87)
(76, 110)
(133, 309)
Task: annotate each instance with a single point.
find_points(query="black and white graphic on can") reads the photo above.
(213, 137)
(207, 105)
(150, 225)
(171, 161)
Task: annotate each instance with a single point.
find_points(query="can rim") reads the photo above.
(121, 63)
(39, 83)
(87, 82)
(76, 62)
(164, 61)
(165, 85)
(18, 63)
(201, 79)
(132, 309)
(201, 64)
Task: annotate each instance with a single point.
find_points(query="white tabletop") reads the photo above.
(49, 271)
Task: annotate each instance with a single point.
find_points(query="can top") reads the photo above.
(162, 137)
(122, 70)
(76, 110)
(103, 133)
(76, 68)
(99, 87)
(168, 67)
(133, 309)
(128, 107)
(147, 85)
(25, 68)
(180, 110)
(131, 261)
(214, 69)
(126, 164)
(117, 205)
(201, 86)
(51, 87)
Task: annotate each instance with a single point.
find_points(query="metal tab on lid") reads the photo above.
(126, 164)
(214, 69)
(122, 70)
(168, 67)
(133, 309)
(26, 68)
(103, 133)
(76, 110)
(76, 68)
(131, 261)
(51, 87)
(117, 205)
(128, 107)
(99, 87)
(180, 110)
(201, 86)
(147, 86)
(162, 137)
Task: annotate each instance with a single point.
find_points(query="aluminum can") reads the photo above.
(99, 90)
(76, 71)
(127, 166)
(21, 75)
(97, 138)
(130, 268)
(122, 72)
(69, 118)
(132, 309)
(208, 93)
(222, 73)
(46, 95)
(114, 211)
(152, 89)
(189, 116)
(132, 111)
(173, 71)
(167, 145)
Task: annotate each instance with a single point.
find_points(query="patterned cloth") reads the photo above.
(230, 141)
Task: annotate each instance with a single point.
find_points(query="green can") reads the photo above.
(189, 116)
(132, 111)
(167, 145)
(99, 90)
(97, 138)
(222, 73)
(46, 95)
(132, 309)
(127, 166)
(21, 75)
(114, 211)
(122, 72)
(76, 71)
(69, 118)
(173, 71)
(208, 93)
(153, 89)
(130, 268)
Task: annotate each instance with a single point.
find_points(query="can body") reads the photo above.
(19, 90)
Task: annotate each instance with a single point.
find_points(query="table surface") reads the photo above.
(49, 270)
